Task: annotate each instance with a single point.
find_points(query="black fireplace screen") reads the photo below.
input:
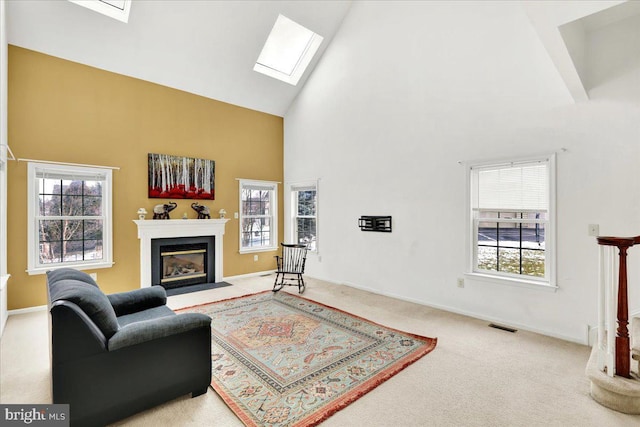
(182, 261)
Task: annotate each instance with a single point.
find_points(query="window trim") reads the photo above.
(274, 216)
(549, 282)
(292, 189)
(33, 266)
(108, 9)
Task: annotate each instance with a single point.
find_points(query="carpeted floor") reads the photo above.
(477, 376)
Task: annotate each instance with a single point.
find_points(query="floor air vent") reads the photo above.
(502, 328)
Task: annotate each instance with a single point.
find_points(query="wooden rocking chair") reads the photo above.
(291, 263)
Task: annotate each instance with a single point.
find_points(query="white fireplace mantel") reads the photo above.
(169, 228)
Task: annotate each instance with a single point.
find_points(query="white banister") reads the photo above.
(607, 309)
(602, 298)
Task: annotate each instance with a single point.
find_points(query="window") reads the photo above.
(116, 9)
(69, 211)
(512, 220)
(304, 209)
(287, 51)
(258, 216)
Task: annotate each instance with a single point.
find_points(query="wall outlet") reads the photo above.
(460, 282)
(255, 257)
(594, 230)
(235, 215)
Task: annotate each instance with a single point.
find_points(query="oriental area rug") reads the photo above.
(283, 360)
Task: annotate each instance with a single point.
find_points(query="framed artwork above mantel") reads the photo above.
(177, 177)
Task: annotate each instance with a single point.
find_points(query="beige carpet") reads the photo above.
(476, 376)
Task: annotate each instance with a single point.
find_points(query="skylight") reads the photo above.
(287, 51)
(116, 9)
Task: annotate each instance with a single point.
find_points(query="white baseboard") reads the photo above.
(324, 279)
(244, 276)
(27, 310)
(475, 315)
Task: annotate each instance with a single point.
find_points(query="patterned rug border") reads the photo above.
(222, 300)
(323, 414)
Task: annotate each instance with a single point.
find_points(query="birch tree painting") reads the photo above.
(175, 177)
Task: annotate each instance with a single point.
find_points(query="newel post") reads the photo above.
(622, 337)
(623, 362)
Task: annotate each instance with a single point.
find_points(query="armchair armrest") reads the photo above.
(148, 330)
(137, 300)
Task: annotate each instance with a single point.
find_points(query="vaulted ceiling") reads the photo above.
(207, 48)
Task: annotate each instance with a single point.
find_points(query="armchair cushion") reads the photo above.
(68, 273)
(90, 299)
(148, 314)
(148, 330)
(137, 300)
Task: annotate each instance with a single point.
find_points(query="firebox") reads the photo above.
(180, 262)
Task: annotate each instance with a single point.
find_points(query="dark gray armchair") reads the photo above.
(115, 355)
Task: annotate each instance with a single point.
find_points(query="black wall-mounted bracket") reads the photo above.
(375, 223)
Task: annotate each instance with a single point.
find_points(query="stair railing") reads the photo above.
(614, 355)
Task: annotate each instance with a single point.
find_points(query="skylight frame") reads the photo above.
(105, 7)
(308, 44)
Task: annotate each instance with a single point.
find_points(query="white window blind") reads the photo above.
(306, 187)
(258, 186)
(514, 187)
(70, 175)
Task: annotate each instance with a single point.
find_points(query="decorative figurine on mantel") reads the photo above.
(142, 212)
(203, 211)
(162, 211)
(222, 213)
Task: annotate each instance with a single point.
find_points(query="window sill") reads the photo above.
(253, 250)
(523, 283)
(92, 266)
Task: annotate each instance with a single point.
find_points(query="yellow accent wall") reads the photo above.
(67, 112)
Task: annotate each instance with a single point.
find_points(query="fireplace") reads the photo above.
(170, 230)
(184, 261)
(183, 264)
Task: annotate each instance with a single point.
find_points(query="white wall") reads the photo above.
(3, 168)
(404, 92)
(613, 61)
